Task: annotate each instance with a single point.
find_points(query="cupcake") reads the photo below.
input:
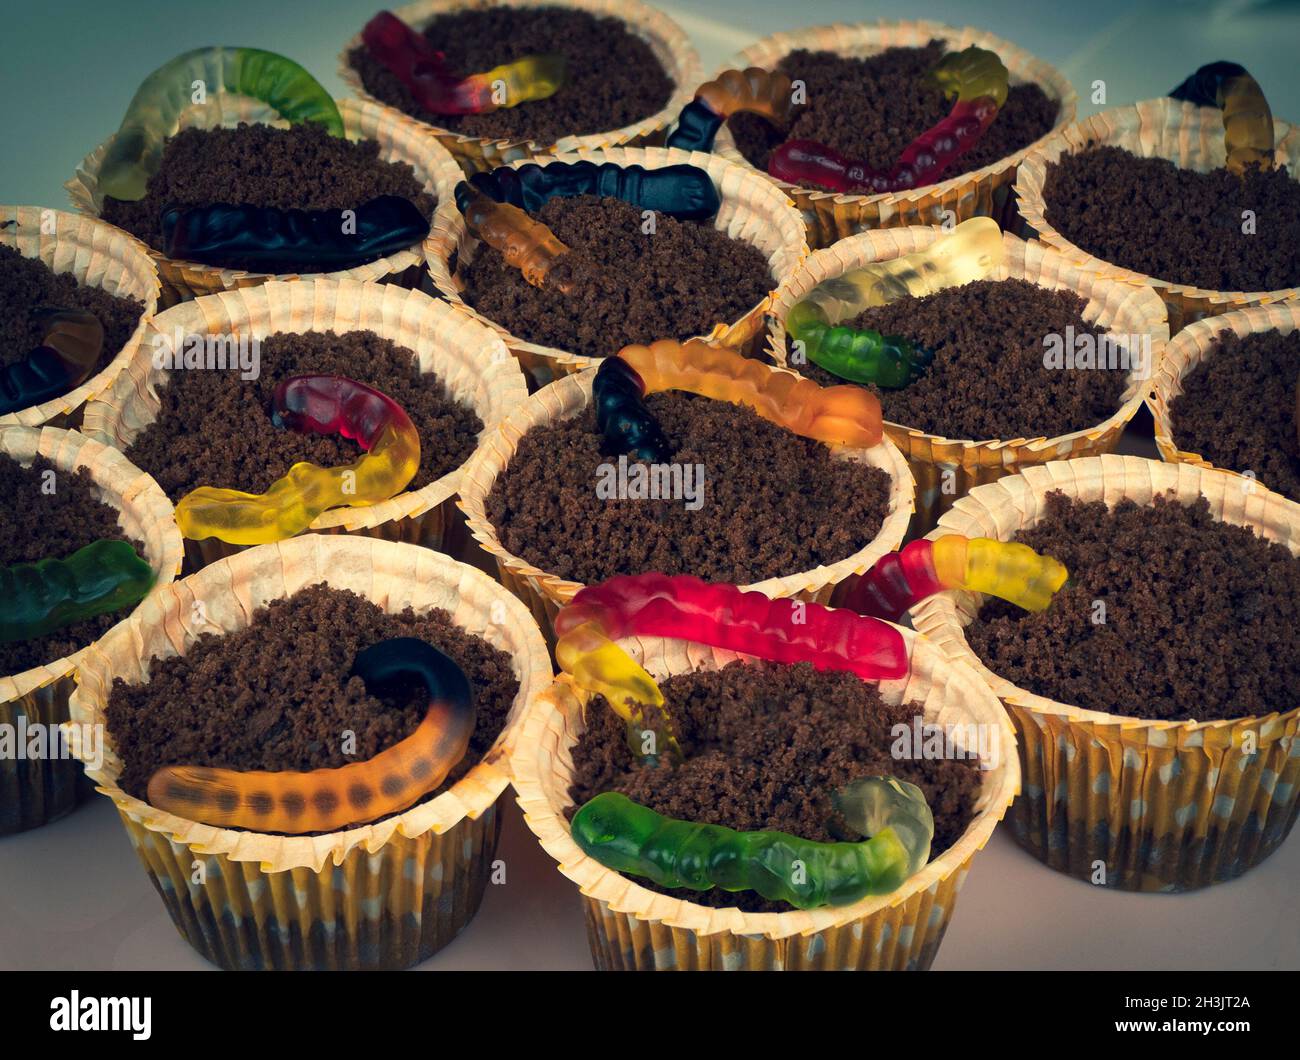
(634, 283)
(740, 498)
(75, 511)
(286, 627)
(625, 71)
(181, 407)
(768, 747)
(1225, 396)
(1038, 361)
(846, 71)
(51, 264)
(213, 192)
(1158, 754)
(1141, 194)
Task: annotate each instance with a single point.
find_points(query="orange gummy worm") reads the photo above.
(836, 415)
(328, 800)
(755, 90)
(527, 245)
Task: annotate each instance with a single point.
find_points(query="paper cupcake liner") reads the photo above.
(667, 40)
(631, 927)
(36, 791)
(546, 593)
(400, 140)
(384, 895)
(1161, 805)
(98, 255)
(752, 210)
(946, 469)
(1190, 137)
(980, 193)
(1194, 344)
(468, 358)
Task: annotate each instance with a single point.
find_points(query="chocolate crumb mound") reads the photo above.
(1200, 616)
(1238, 408)
(765, 747)
(757, 477)
(302, 167)
(26, 283)
(674, 283)
(215, 428)
(36, 525)
(988, 380)
(279, 695)
(872, 108)
(612, 78)
(1175, 224)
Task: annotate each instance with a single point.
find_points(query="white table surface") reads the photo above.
(72, 894)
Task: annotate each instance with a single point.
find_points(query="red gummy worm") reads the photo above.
(896, 583)
(408, 54)
(922, 162)
(334, 404)
(721, 615)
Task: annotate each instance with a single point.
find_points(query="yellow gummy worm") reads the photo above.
(1005, 569)
(1247, 124)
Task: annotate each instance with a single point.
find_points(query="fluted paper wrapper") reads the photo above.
(752, 210)
(473, 363)
(946, 468)
(545, 593)
(1160, 805)
(400, 140)
(98, 255)
(1194, 344)
(982, 192)
(35, 791)
(667, 40)
(632, 928)
(1190, 137)
(384, 895)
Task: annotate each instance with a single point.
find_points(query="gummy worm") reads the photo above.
(136, 151)
(527, 245)
(271, 240)
(971, 251)
(763, 92)
(837, 415)
(38, 598)
(321, 404)
(682, 191)
(628, 837)
(71, 342)
(782, 630)
(328, 800)
(979, 81)
(409, 56)
(1005, 569)
(1247, 119)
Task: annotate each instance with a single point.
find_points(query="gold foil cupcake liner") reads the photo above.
(399, 139)
(1194, 344)
(633, 928)
(946, 469)
(1188, 136)
(752, 210)
(98, 255)
(473, 363)
(1155, 805)
(384, 895)
(545, 593)
(34, 791)
(982, 192)
(666, 39)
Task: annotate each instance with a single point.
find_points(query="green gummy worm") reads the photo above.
(38, 598)
(858, 355)
(136, 151)
(628, 837)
